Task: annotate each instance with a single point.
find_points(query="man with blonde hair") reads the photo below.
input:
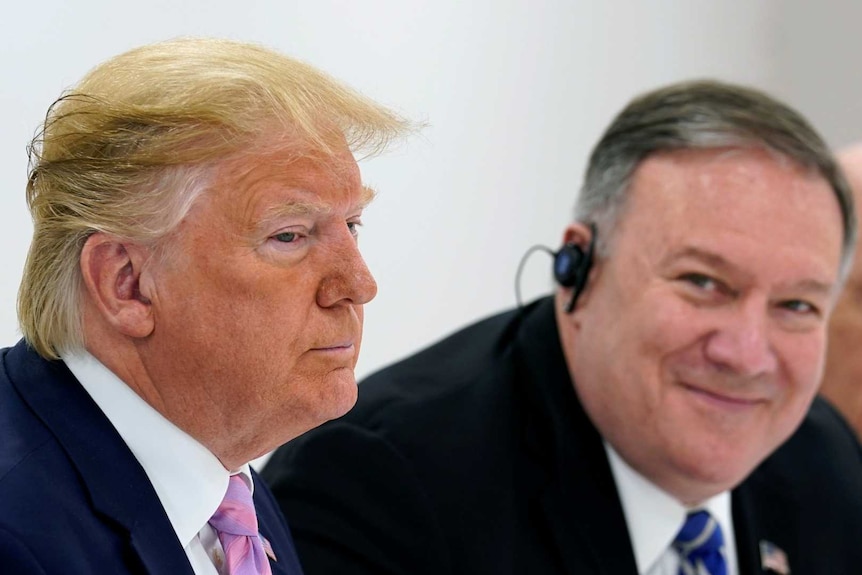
(192, 299)
(842, 381)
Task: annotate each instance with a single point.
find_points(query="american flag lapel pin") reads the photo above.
(267, 547)
(773, 559)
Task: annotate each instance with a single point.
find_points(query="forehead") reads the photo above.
(746, 180)
(255, 183)
(291, 165)
(746, 201)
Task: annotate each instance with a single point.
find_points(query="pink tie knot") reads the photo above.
(236, 514)
(236, 524)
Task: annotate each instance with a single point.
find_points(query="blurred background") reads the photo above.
(515, 93)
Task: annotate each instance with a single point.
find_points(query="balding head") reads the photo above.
(842, 382)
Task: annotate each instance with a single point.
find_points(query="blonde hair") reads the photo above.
(130, 148)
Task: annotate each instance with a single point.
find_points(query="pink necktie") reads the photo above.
(236, 525)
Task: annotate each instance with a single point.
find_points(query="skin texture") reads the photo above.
(245, 334)
(698, 344)
(842, 381)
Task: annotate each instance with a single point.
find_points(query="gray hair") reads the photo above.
(702, 115)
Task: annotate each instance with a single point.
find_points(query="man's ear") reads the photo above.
(579, 234)
(112, 269)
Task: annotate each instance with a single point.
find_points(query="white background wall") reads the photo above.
(515, 91)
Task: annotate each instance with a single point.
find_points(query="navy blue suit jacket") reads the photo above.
(73, 498)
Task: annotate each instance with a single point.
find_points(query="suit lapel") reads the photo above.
(158, 548)
(118, 486)
(578, 494)
(758, 517)
(273, 527)
(589, 537)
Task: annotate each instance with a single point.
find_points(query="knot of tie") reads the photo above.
(236, 524)
(700, 545)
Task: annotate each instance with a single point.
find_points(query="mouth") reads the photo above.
(723, 400)
(340, 348)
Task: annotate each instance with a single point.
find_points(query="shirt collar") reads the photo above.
(189, 480)
(654, 517)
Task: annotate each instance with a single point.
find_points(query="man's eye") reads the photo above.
(702, 281)
(799, 306)
(286, 237)
(354, 228)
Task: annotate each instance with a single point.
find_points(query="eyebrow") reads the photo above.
(705, 256)
(717, 261)
(300, 208)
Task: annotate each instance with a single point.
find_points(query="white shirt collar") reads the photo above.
(189, 480)
(654, 517)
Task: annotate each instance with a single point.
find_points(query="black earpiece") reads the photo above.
(568, 265)
(572, 268)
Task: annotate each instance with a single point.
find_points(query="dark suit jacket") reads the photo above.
(475, 457)
(73, 499)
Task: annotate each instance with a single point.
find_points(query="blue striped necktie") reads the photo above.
(700, 545)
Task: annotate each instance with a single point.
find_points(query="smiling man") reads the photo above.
(191, 300)
(657, 415)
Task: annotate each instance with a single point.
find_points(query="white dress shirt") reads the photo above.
(654, 518)
(189, 480)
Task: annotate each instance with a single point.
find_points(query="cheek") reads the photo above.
(249, 319)
(360, 317)
(664, 328)
(247, 289)
(804, 361)
(804, 375)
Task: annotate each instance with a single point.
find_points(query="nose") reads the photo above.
(349, 281)
(741, 344)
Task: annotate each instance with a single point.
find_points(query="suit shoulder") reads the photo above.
(22, 431)
(16, 556)
(446, 367)
(38, 483)
(45, 508)
(456, 390)
(825, 429)
(824, 453)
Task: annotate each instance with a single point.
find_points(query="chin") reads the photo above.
(714, 476)
(335, 410)
(338, 397)
(312, 401)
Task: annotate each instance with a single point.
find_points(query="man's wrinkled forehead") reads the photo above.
(301, 207)
(280, 159)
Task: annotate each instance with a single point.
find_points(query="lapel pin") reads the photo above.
(773, 559)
